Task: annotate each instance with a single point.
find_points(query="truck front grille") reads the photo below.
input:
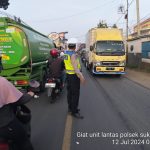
(110, 63)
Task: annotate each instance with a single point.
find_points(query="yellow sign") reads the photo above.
(5, 39)
(5, 57)
(3, 34)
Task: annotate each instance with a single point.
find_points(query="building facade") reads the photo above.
(139, 47)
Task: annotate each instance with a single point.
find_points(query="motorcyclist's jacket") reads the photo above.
(56, 67)
(7, 113)
(68, 64)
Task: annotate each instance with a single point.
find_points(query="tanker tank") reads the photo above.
(24, 52)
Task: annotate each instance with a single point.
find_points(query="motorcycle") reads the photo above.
(54, 88)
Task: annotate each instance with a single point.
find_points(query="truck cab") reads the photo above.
(105, 51)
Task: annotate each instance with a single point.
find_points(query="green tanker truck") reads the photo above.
(24, 52)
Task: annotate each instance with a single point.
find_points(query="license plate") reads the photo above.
(110, 68)
(52, 85)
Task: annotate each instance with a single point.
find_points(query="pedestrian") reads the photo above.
(74, 77)
(10, 127)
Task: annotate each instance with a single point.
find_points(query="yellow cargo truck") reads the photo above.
(105, 53)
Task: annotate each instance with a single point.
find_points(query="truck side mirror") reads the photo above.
(91, 48)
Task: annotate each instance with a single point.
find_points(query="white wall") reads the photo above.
(137, 45)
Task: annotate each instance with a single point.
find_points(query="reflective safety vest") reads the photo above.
(68, 65)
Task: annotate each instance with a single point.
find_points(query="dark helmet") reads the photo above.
(54, 52)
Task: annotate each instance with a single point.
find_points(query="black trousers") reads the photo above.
(15, 131)
(73, 92)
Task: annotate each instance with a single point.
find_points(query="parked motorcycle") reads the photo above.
(54, 88)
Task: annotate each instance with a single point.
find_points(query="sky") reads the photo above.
(75, 16)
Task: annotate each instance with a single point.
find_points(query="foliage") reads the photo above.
(102, 24)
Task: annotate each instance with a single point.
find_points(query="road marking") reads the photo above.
(67, 134)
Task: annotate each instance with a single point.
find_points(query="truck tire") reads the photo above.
(42, 83)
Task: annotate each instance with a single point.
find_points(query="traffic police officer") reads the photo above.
(74, 77)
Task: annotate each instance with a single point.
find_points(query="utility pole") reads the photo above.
(138, 18)
(127, 20)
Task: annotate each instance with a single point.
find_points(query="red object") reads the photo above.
(21, 82)
(4, 146)
(54, 52)
(50, 80)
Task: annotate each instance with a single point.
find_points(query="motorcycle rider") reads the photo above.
(56, 66)
(10, 127)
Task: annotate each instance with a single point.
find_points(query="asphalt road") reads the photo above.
(116, 117)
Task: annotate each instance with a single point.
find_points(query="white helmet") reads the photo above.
(72, 41)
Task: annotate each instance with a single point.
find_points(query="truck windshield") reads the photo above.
(110, 47)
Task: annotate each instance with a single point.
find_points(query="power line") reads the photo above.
(131, 21)
(77, 14)
(119, 19)
(126, 11)
(146, 16)
(142, 19)
(131, 3)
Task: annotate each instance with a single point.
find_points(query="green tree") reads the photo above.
(101, 24)
(114, 26)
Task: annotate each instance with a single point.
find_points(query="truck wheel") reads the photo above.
(42, 83)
